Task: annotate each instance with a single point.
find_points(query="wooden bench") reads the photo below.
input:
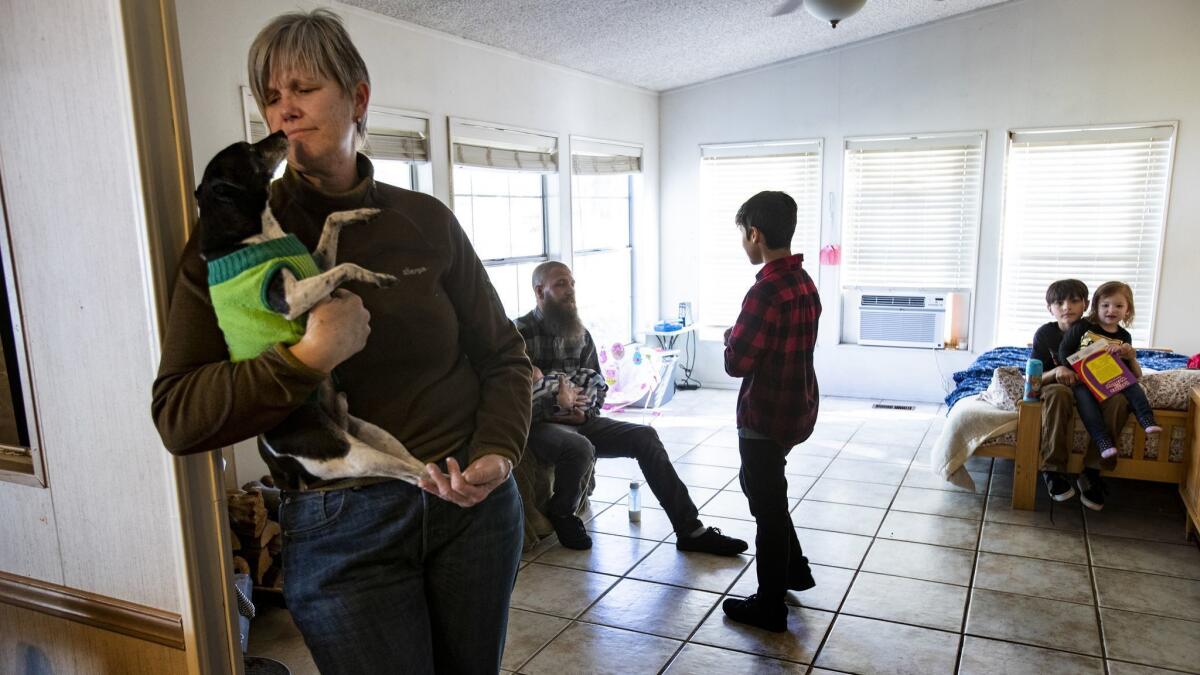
(1026, 456)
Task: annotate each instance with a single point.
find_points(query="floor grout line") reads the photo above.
(1087, 547)
(966, 615)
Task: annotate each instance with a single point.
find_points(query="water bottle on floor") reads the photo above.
(635, 502)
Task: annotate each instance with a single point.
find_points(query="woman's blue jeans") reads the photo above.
(387, 578)
(1093, 417)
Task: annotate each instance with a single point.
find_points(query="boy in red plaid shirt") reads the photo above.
(771, 349)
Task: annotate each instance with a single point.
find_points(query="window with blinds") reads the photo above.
(500, 195)
(911, 209)
(729, 175)
(1085, 203)
(602, 221)
(397, 143)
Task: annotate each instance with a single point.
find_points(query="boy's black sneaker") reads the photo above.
(1058, 486)
(755, 612)
(711, 541)
(571, 533)
(1091, 489)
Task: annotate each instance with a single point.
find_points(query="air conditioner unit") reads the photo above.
(899, 319)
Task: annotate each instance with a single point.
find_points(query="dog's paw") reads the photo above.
(361, 215)
(385, 280)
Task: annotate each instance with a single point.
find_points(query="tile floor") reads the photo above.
(913, 576)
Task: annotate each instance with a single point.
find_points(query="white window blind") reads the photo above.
(1086, 204)
(911, 211)
(602, 222)
(391, 134)
(478, 144)
(395, 135)
(729, 175)
(590, 158)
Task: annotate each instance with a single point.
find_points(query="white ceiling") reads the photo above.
(659, 44)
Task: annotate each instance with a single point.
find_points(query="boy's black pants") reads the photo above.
(765, 486)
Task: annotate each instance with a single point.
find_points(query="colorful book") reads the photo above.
(1104, 374)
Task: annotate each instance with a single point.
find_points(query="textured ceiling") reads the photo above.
(659, 44)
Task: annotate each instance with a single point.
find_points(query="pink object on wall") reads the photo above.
(831, 254)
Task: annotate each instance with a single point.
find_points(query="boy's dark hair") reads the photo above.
(773, 213)
(1107, 289)
(1066, 289)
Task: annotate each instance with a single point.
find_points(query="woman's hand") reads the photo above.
(467, 488)
(337, 329)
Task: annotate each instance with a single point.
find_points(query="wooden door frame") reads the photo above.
(163, 145)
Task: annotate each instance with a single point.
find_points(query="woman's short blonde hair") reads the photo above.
(315, 42)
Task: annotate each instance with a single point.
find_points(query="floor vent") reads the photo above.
(893, 406)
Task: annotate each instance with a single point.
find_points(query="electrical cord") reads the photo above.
(941, 376)
(689, 382)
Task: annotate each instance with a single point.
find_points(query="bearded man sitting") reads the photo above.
(571, 436)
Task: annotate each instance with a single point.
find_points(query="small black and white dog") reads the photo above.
(320, 437)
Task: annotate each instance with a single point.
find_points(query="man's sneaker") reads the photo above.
(711, 541)
(1058, 486)
(800, 577)
(571, 533)
(1091, 489)
(752, 611)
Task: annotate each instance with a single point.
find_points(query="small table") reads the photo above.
(666, 338)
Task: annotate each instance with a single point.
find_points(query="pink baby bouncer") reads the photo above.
(638, 376)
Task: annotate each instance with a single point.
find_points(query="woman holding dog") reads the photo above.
(381, 576)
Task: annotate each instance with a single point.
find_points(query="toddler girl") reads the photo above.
(1111, 309)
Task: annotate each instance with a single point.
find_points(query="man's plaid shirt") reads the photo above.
(552, 353)
(771, 349)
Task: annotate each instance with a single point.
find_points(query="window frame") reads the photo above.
(513, 259)
(580, 145)
(457, 125)
(846, 288)
(27, 466)
(1099, 129)
(712, 329)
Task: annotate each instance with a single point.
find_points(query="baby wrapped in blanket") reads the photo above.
(548, 387)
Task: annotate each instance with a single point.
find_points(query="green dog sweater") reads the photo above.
(237, 284)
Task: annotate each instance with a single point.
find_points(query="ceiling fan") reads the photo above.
(832, 11)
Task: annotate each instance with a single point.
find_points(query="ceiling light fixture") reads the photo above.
(832, 11)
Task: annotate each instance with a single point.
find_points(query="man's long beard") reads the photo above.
(562, 320)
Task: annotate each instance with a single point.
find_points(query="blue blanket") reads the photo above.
(978, 375)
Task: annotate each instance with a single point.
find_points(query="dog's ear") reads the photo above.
(224, 190)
